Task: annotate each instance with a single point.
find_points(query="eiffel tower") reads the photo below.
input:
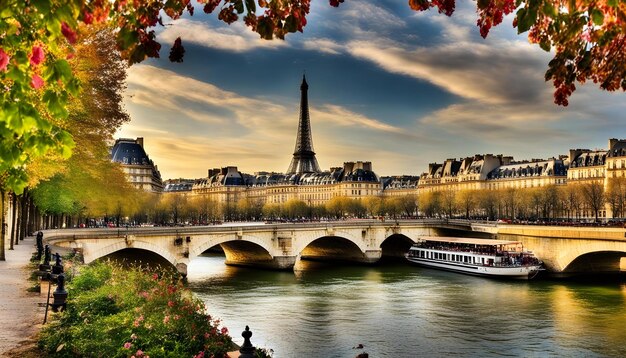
(303, 156)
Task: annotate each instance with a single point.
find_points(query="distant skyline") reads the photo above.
(386, 84)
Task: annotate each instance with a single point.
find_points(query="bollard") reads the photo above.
(58, 266)
(39, 245)
(60, 295)
(46, 259)
(247, 350)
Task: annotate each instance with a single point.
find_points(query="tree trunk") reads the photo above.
(13, 220)
(2, 226)
(24, 214)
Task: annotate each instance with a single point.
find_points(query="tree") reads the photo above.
(430, 203)
(448, 202)
(489, 203)
(408, 204)
(593, 194)
(466, 201)
(571, 199)
(37, 36)
(616, 195)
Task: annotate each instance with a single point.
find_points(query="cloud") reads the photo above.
(339, 116)
(236, 37)
(509, 73)
(323, 45)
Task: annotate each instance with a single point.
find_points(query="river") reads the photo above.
(398, 310)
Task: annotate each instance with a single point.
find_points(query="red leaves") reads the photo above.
(562, 93)
(228, 15)
(69, 34)
(211, 5)
(335, 3)
(445, 6)
(4, 60)
(36, 56)
(491, 12)
(177, 52)
(36, 82)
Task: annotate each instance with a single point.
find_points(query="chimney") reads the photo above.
(367, 166)
(348, 167)
(612, 143)
(140, 141)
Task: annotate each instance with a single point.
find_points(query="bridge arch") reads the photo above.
(207, 242)
(332, 248)
(396, 245)
(596, 262)
(304, 240)
(136, 244)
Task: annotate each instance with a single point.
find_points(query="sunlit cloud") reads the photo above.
(323, 45)
(235, 37)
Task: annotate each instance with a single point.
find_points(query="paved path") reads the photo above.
(19, 311)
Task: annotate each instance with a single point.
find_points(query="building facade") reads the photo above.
(139, 169)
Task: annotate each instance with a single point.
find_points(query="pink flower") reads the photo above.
(143, 294)
(224, 330)
(170, 303)
(4, 60)
(67, 31)
(199, 355)
(36, 56)
(127, 345)
(155, 276)
(139, 353)
(166, 319)
(36, 82)
(87, 17)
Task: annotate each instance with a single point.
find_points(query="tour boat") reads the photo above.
(483, 257)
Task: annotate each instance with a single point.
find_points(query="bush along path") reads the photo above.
(117, 311)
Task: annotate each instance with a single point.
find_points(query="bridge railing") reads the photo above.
(82, 233)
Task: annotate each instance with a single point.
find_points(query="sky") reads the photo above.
(386, 84)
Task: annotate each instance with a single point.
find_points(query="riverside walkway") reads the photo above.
(20, 314)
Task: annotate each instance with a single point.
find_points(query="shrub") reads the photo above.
(116, 311)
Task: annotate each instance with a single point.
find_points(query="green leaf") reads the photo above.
(524, 20)
(43, 6)
(126, 38)
(265, 28)
(251, 6)
(597, 17)
(239, 6)
(291, 24)
(545, 45)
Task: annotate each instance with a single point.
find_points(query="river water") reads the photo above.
(398, 310)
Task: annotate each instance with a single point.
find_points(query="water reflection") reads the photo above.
(406, 311)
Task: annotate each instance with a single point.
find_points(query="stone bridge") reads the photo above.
(278, 246)
(281, 246)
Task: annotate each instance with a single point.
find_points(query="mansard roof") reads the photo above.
(128, 151)
(550, 167)
(618, 149)
(589, 159)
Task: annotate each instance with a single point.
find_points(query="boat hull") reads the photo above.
(508, 272)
